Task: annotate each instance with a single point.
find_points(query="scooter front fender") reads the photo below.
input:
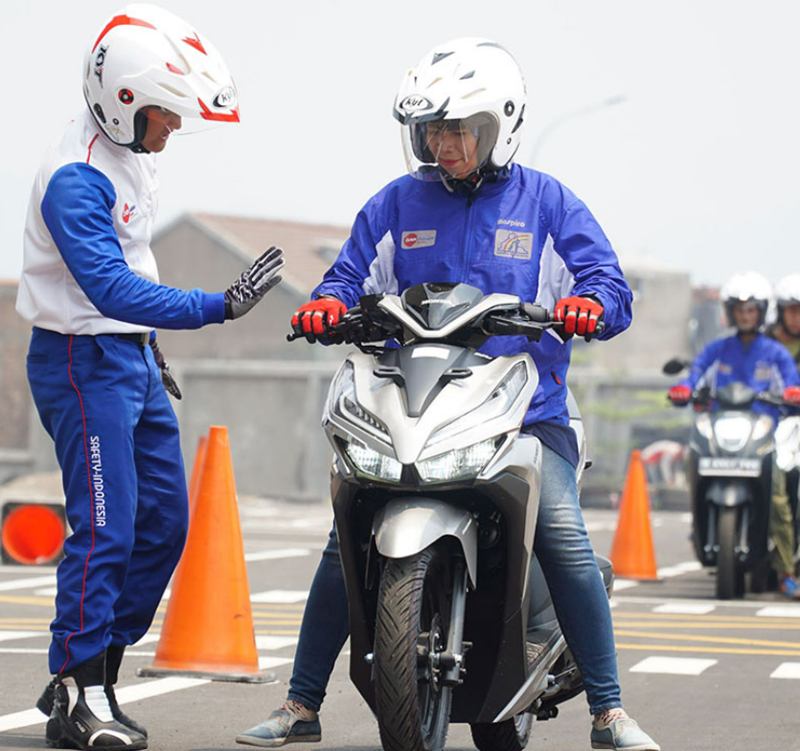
(406, 526)
(728, 493)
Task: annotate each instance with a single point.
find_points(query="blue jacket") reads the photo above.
(527, 235)
(764, 365)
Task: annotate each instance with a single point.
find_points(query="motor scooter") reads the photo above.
(729, 468)
(435, 496)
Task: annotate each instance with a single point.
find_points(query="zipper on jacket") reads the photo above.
(468, 239)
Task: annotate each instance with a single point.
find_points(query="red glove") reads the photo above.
(580, 315)
(314, 319)
(680, 395)
(792, 394)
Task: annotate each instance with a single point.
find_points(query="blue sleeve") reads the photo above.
(581, 243)
(77, 210)
(702, 363)
(787, 367)
(345, 279)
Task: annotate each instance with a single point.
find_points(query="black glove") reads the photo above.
(170, 384)
(253, 284)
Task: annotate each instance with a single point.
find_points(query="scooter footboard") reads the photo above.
(406, 526)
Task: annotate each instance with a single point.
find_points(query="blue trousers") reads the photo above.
(565, 553)
(101, 400)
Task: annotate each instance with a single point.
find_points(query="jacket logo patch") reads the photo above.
(127, 213)
(511, 244)
(423, 238)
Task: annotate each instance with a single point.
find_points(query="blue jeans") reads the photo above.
(573, 577)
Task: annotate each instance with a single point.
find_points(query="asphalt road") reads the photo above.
(696, 673)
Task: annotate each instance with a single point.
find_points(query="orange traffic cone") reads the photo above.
(194, 482)
(208, 627)
(632, 552)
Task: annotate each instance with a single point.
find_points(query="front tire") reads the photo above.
(509, 735)
(730, 572)
(412, 707)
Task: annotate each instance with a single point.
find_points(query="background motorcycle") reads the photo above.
(730, 464)
(435, 497)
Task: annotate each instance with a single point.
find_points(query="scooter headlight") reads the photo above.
(732, 433)
(499, 402)
(458, 464)
(764, 426)
(703, 425)
(373, 463)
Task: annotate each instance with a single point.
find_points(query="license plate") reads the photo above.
(729, 466)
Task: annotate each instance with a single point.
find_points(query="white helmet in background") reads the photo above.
(475, 81)
(747, 287)
(787, 293)
(148, 57)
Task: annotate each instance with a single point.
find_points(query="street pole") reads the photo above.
(559, 121)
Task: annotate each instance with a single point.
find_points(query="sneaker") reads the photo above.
(292, 723)
(45, 705)
(614, 730)
(82, 719)
(789, 587)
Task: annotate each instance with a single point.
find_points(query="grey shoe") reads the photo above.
(614, 730)
(283, 726)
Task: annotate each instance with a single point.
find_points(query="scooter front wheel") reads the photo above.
(411, 626)
(730, 572)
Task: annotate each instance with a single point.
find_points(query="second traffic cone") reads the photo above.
(632, 552)
(208, 628)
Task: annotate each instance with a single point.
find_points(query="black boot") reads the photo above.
(81, 716)
(113, 661)
(114, 656)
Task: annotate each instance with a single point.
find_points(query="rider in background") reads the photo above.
(761, 363)
(467, 214)
(787, 328)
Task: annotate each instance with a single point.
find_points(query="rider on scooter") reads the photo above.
(467, 214)
(787, 328)
(754, 359)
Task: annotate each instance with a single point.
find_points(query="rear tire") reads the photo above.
(412, 707)
(730, 572)
(509, 735)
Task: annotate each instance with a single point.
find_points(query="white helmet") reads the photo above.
(787, 292)
(747, 287)
(148, 57)
(472, 80)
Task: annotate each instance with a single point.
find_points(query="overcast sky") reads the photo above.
(696, 169)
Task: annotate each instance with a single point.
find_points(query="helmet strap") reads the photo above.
(139, 131)
(468, 186)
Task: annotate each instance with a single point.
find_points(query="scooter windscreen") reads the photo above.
(436, 305)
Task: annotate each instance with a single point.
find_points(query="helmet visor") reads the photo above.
(457, 147)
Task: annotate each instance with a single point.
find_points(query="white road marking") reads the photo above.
(275, 642)
(273, 662)
(11, 635)
(792, 611)
(284, 596)
(46, 592)
(678, 570)
(148, 638)
(780, 611)
(620, 584)
(269, 555)
(37, 581)
(685, 608)
(672, 665)
(787, 670)
(125, 695)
